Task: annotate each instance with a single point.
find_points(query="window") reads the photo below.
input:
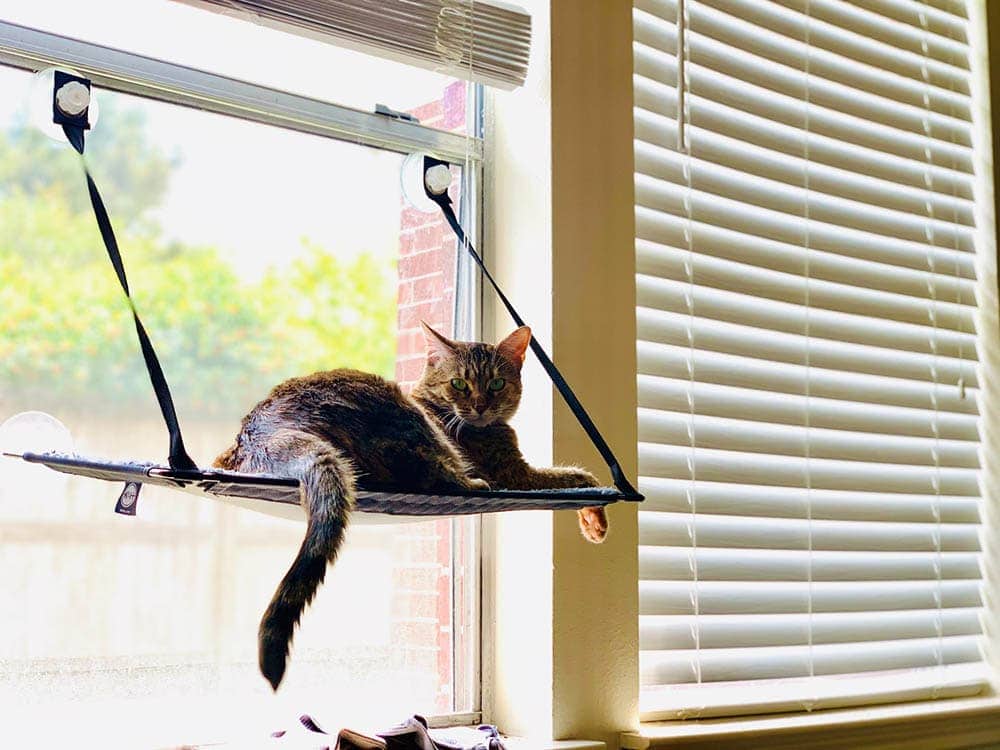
(808, 269)
(252, 257)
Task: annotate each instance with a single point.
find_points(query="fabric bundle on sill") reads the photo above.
(412, 734)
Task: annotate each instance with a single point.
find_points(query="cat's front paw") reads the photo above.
(593, 524)
(474, 483)
(582, 478)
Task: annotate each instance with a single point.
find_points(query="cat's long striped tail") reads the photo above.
(327, 481)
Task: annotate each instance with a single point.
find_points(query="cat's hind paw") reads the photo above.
(593, 524)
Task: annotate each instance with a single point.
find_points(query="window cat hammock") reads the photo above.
(280, 495)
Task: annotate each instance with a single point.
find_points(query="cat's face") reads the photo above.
(479, 383)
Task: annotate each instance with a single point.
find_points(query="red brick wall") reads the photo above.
(427, 255)
(422, 616)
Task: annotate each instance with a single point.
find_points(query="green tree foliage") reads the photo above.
(66, 335)
(334, 313)
(133, 174)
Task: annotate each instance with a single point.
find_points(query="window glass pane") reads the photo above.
(209, 41)
(254, 254)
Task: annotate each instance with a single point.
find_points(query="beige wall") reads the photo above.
(593, 289)
(561, 658)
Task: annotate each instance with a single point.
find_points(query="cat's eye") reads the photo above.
(459, 385)
(497, 384)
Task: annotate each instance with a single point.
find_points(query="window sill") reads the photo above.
(954, 723)
(511, 743)
(521, 743)
(303, 741)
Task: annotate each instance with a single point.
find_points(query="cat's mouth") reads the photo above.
(477, 420)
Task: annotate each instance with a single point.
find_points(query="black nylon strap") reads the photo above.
(617, 475)
(179, 459)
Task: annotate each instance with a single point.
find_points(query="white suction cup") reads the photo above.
(438, 179)
(72, 100)
(34, 432)
(412, 179)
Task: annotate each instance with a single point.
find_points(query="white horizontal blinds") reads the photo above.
(486, 41)
(808, 396)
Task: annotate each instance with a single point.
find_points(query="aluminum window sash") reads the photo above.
(130, 73)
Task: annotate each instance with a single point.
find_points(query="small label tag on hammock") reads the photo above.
(129, 499)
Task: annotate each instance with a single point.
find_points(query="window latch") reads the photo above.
(395, 114)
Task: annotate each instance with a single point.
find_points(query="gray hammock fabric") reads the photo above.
(264, 488)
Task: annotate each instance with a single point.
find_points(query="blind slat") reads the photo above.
(731, 499)
(950, 124)
(863, 36)
(660, 632)
(890, 18)
(764, 663)
(666, 165)
(865, 402)
(746, 597)
(789, 169)
(762, 41)
(778, 225)
(756, 468)
(675, 328)
(671, 230)
(714, 564)
(728, 433)
(670, 295)
(680, 701)
(655, 123)
(749, 597)
(782, 107)
(743, 532)
(671, 262)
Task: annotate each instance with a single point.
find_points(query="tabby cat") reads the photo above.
(328, 428)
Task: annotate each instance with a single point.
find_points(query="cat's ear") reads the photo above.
(514, 346)
(438, 347)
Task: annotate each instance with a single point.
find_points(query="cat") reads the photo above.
(330, 428)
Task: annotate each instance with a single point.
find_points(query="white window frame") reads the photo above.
(115, 70)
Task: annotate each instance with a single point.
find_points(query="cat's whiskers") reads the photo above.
(454, 422)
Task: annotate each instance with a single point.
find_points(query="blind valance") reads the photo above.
(487, 41)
